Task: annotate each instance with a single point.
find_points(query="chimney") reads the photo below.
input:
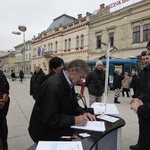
(79, 16)
(102, 6)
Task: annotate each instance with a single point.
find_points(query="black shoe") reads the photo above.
(117, 102)
(136, 147)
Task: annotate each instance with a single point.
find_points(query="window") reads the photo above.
(65, 45)
(98, 41)
(51, 46)
(77, 42)
(82, 41)
(69, 44)
(45, 48)
(136, 34)
(111, 38)
(56, 46)
(146, 32)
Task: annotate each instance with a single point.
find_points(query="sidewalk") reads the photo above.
(21, 107)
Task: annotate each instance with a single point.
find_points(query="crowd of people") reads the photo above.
(56, 105)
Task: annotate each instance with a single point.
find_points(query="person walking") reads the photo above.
(95, 82)
(4, 106)
(13, 76)
(21, 75)
(125, 84)
(36, 80)
(117, 86)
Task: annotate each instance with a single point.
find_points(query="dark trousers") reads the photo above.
(3, 133)
(144, 134)
(125, 90)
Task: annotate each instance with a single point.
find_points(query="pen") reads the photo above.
(68, 137)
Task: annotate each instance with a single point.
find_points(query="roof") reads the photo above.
(62, 20)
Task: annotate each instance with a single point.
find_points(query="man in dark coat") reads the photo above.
(4, 106)
(55, 65)
(95, 82)
(36, 80)
(56, 108)
(21, 75)
(141, 106)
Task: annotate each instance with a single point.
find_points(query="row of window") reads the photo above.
(146, 33)
(20, 57)
(67, 45)
(136, 35)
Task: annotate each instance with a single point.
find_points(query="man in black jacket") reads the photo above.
(55, 65)
(141, 106)
(56, 109)
(95, 82)
(36, 80)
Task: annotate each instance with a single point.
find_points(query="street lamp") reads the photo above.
(22, 28)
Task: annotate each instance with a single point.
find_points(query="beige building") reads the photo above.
(128, 30)
(7, 62)
(66, 37)
(20, 57)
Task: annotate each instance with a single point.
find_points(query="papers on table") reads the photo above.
(59, 145)
(99, 108)
(108, 118)
(92, 126)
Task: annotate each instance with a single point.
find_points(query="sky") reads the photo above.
(37, 15)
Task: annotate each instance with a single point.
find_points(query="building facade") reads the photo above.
(86, 37)
(23, 58)
(128, 30)
(7, 62)
(66, 37)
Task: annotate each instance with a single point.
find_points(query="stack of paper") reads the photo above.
(93, 126)
(108, 118)
(59, 145)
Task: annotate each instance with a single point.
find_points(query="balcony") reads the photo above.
(47, 54)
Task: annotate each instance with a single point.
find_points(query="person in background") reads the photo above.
(13, 75)
(36, 80)
(143, 75)
(95, 82)
(55, 65)
(57, 109)
(117, 86)
(4, 106)
(134, 83)
(125, 84)
(21, 75)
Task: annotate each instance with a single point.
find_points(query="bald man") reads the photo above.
(36, 80)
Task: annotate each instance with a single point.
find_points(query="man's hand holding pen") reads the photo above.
(82, 119)
(135, 103)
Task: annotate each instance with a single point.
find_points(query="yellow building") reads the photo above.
(128, 30)
(7, 62)
(66, 37)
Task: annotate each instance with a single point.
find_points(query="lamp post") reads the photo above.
(22, 28)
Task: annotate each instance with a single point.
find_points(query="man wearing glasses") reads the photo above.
(57, 109)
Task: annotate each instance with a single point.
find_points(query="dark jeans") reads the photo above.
(125, 90)
(4, 132)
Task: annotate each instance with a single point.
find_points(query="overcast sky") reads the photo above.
(37, 15)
